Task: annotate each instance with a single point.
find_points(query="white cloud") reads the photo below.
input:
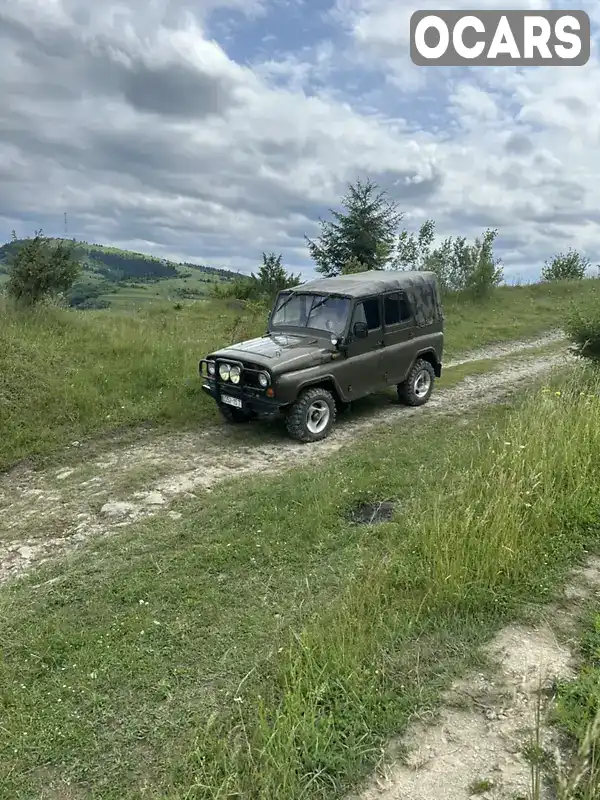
(132, 119)
(517, 149)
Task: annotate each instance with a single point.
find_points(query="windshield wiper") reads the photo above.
(286, 301)
(318, 305)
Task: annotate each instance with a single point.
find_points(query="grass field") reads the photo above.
(252, 651)
(65, 375)
(577, 711)
(136, 295)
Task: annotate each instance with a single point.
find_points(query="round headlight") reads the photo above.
(263, 379)
(224, 372)
(235, 373)
(211, 368)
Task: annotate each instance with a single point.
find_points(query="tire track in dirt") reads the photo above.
(49, 513)
(506, 349)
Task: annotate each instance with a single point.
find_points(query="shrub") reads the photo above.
(570, 266)
(39, 269)
(583, 326)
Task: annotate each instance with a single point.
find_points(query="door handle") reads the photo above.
(411, 335)
(380, 344)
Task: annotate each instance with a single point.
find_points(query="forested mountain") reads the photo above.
(112, 276)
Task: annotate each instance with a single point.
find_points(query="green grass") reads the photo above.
(265, 647)
(577, 716)
(481, 786)
(68, 375)
(65, 375)
(512, 312)
(136, 295)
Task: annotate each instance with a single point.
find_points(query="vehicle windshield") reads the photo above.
(318, 311)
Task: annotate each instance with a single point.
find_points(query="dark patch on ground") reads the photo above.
(372, 513)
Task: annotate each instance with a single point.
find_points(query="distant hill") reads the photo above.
(115, 277)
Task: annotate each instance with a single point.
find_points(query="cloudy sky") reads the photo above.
(211, 130)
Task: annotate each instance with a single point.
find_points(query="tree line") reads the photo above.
(365, 234)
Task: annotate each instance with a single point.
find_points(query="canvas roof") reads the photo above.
(363, 284)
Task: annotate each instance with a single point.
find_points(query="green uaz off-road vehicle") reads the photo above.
(329, 342)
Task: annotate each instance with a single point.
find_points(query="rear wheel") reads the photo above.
(418, 386)
(312, 416)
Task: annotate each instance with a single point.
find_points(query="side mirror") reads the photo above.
(360, 330)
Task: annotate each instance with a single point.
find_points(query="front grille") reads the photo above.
(250, 375)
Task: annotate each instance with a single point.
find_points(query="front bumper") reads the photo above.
(252, 400)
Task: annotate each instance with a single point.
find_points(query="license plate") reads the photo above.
(231, 401)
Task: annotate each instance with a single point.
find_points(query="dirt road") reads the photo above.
(47, 513)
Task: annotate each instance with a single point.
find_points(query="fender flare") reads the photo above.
(436, 363)
(320, 380)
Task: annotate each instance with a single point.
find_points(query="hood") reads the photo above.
(280, 351)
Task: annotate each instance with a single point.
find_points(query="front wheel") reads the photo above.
(418, 386)
(312, 416)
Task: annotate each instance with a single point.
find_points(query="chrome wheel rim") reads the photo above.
(422, 383)
(317, 416)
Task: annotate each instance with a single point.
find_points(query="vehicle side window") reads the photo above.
(368, 311)
(396, 308)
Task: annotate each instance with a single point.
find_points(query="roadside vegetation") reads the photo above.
(576, 713)
(583, 324)
(248, 650)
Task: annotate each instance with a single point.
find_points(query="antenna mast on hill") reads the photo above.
(66, 225)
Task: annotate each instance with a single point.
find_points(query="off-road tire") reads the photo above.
(297, 417)
(407, 390)
(234, 416)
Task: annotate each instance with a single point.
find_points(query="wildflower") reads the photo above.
(557, 394)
